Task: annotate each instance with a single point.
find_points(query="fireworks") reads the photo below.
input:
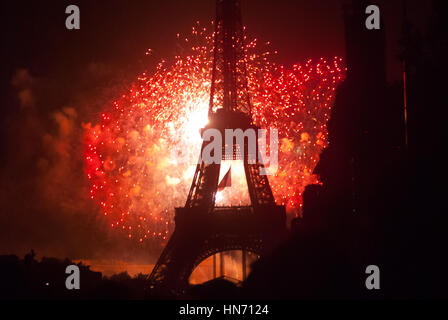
(132, 153)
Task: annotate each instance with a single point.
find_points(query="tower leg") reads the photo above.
(214, 266)
(243, 263)
(221, 256)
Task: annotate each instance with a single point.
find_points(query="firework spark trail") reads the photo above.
(132, 158)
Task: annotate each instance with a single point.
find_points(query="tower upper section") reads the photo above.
(229, 88)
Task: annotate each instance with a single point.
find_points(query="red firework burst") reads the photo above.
(131, 153)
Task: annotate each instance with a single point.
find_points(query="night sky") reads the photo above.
(47, 69)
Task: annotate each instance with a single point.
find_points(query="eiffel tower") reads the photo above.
(203, 229)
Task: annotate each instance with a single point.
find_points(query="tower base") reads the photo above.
(199, 235)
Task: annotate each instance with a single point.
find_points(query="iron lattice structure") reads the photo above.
(202, 229)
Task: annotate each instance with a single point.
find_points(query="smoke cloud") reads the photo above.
(45, 200)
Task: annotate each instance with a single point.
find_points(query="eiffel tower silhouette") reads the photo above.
(201, 228)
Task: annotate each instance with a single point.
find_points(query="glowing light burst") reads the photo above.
(132, 153)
